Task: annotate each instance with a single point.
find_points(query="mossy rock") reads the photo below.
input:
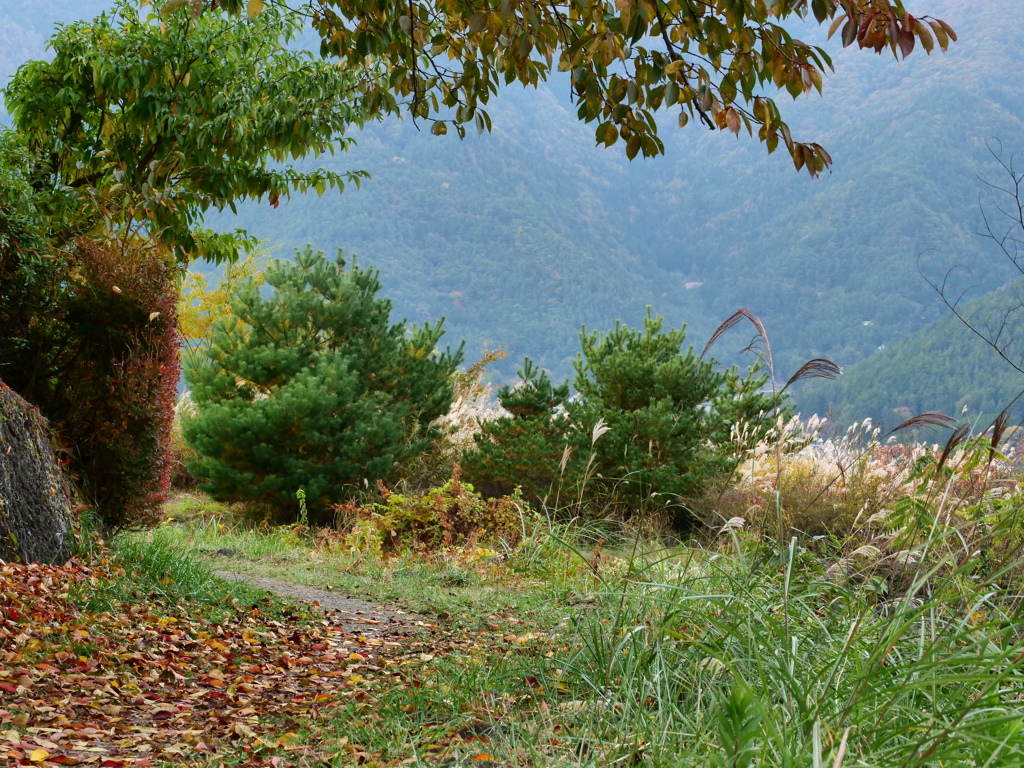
(35, 498)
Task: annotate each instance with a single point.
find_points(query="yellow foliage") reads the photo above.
(200, 306)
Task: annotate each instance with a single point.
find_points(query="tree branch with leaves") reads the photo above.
(142, 124)
(628, 59)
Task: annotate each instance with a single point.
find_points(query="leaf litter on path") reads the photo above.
(154, 681)
(360, 616)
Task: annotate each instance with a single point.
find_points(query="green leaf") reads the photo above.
(611, 134)
(820, 9)
(671, 94)
(633, 144)
(477, 22)
(739, 724)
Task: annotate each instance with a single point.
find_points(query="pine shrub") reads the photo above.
(649, 427)
(532, 448)
(312, 387)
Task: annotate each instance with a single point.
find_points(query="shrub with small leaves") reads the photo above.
(454, 515)
(94, 345)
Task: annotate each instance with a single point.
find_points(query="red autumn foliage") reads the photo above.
(100, 361)
(125, 401)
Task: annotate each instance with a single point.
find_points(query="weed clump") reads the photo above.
(453, 515)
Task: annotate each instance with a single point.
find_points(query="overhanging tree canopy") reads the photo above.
(141, 124)
(712, 60)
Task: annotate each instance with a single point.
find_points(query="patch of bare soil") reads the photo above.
(357, 616)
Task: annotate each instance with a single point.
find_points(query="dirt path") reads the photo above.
(355, 615)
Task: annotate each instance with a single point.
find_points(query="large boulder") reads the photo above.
(35, 499)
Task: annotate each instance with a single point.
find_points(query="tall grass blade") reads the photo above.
(960, 434)
(818, 368)
(1000, 425)
(841, 752)
(731, 322)
(924, 420)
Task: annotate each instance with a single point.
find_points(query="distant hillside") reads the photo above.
(943, 367)
(832, 266)
(522, 235)
(510, 236)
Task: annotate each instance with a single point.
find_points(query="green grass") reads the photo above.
(535, 583)
(738, 653)
(757, 658)
(186, 506)
(155, 566)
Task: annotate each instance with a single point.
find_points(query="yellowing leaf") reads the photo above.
(38, 755)
(477, 22)
(254, 7)
(172, 5)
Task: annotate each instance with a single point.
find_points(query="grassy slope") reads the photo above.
(737, 654)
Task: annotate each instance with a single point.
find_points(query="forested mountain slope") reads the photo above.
(522, 235)
(832, 266)
(942, 367)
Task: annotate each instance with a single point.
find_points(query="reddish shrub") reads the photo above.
(124, 315)
(105, 373)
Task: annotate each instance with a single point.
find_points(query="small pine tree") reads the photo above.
(312, 387)
(650, 425)
(668, 414)
(533, 448)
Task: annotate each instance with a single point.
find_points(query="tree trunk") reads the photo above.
(35, 500)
